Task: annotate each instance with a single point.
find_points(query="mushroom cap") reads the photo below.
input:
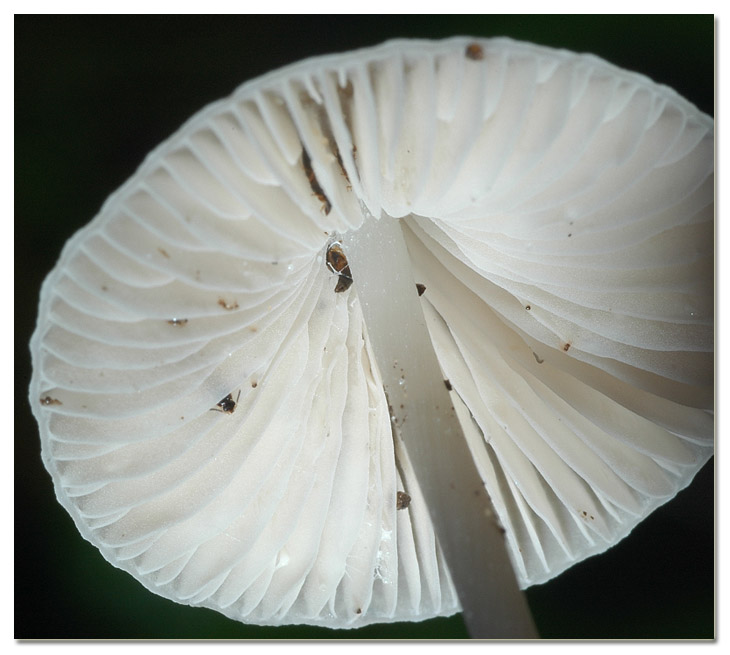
(559, 212)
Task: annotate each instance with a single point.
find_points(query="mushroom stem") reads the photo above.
(466, 526)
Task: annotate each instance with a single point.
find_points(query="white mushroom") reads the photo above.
(559, 212)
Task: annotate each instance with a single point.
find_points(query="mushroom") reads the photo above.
(568, 299)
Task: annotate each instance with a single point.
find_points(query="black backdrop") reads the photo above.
(92, 96)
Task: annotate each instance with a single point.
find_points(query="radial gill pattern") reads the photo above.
(209, 408)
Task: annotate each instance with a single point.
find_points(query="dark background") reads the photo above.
(92, 97)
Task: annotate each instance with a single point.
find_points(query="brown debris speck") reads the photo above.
(47, 400)
(342, 169)
(227, 305)
(163, 252)
(421, 288)
(566, 347)
(448, 384)
(402, 500)
(178, 322)
(343, 284)
(313, 183)
(336, 258)
(537, 358)
(474, 52)
(227, 405)
(337, 263)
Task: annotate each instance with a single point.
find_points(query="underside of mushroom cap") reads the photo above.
(209, 406)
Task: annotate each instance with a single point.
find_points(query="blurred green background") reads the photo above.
(92, 96)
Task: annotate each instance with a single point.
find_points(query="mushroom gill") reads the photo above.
(210, 407)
